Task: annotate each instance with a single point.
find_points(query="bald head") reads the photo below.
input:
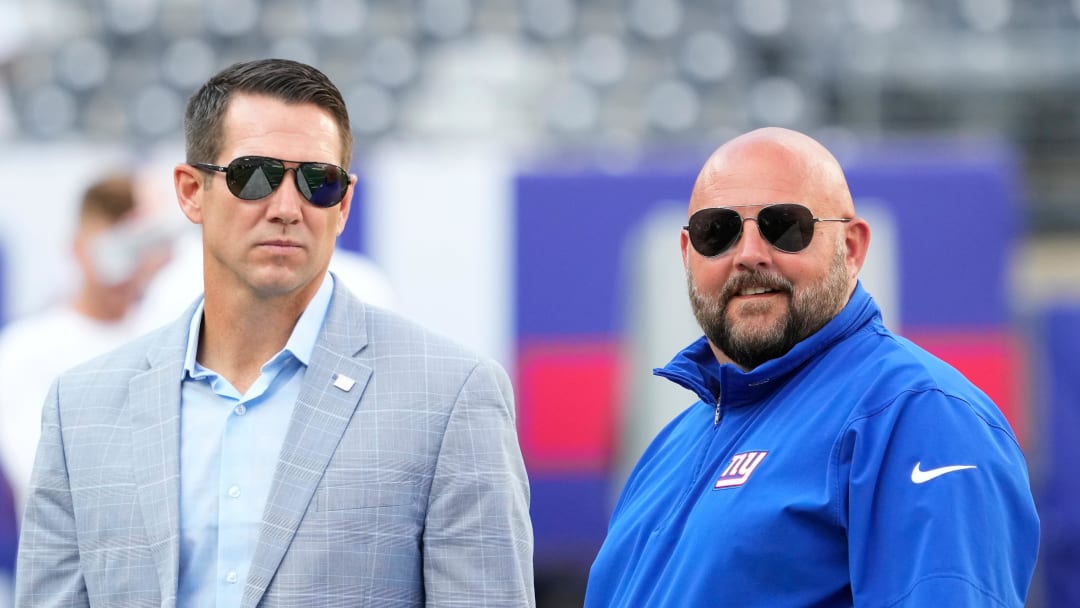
(773, 165)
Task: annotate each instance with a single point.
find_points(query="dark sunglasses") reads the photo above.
(787, 226)
(254, 177)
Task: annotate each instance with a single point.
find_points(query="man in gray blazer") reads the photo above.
(282, 443)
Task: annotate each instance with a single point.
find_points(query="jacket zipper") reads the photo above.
(716, 416)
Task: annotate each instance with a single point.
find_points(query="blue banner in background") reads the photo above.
(1058, 494)
(9, 537)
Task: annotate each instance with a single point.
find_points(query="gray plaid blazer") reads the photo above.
(405, 489)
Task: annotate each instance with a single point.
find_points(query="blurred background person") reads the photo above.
(98, 316)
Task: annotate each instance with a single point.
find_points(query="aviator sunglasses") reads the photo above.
(254, 177)
(787, 226)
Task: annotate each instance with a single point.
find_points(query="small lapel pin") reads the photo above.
(343, 382)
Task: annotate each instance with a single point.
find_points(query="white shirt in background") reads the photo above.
(34, 350)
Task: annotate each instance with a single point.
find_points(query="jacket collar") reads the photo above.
(695, 368)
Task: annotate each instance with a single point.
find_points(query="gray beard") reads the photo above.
(809, 309)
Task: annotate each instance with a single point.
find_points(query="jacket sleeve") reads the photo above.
(478, 541)
(939, 505)
(47, 572)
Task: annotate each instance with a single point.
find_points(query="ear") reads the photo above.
(345, 206)
(857, 239)
(684, 242)
(188, 183)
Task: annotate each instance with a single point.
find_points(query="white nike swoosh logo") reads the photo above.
(920, 476)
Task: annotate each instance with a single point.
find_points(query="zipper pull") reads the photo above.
(716, 416)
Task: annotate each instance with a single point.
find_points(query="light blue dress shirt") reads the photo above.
(229, 445)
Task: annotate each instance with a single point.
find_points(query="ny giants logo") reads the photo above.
(740, 468)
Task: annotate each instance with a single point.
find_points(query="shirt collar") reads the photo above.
(301, 342)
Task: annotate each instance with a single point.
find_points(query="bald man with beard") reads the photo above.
(827, 461)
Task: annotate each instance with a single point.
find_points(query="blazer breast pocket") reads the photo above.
(346, 495)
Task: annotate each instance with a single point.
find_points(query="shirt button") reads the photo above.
(240, 410)
(231, 577)
(234, 492)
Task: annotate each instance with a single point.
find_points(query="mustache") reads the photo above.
(754, 279)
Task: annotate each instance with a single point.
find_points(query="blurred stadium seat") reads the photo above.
(613, 72)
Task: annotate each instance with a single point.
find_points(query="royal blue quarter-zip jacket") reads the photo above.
(856, 470)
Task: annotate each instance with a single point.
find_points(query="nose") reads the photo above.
(752, 251)
(286, 203)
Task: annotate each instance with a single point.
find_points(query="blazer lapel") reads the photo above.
(333, 384)
(154, 406)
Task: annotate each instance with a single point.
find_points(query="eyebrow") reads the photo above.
(761, 204)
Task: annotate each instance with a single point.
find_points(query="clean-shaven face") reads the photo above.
(280, 244)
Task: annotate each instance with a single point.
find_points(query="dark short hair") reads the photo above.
(111, 198)
(289, 81)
